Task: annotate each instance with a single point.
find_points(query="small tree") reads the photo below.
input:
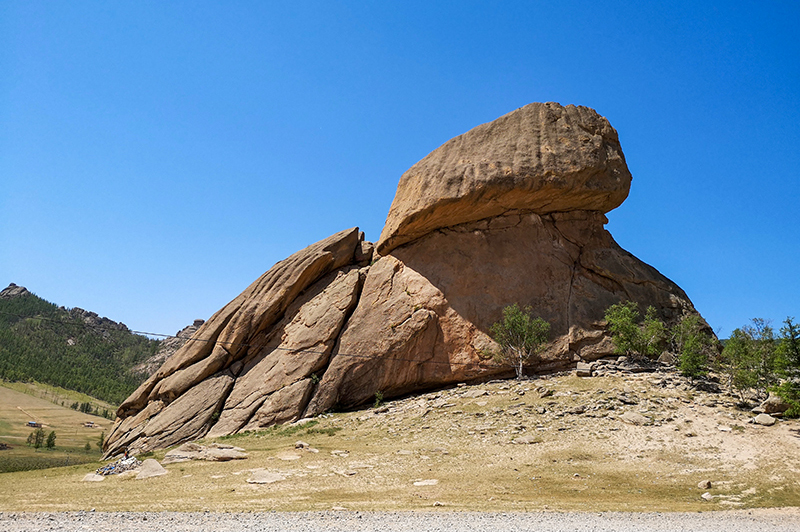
(631, 338)
(694, 346)
(51, 440)
(787, 361)
(520, 335)
(788, 349)
(748, 359)
(30, 439)
(87, 447)
(101, 440)
(38, 438)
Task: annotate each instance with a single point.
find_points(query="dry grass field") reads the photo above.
(17, 407)
(454, 450)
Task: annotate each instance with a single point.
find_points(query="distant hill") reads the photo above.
(72, 348)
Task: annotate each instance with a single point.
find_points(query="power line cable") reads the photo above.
(277, 348)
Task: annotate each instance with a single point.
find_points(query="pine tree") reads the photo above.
(38, 438)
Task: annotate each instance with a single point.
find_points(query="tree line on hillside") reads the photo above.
(42, 342)
(753, 362)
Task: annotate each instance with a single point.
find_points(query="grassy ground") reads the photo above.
(371, 459)
(57, 395)
(18, 407)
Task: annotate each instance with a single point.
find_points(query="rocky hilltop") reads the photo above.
(510, 212)
(72, 348)
(13, 290)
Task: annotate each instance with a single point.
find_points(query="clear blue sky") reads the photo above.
(157, 157)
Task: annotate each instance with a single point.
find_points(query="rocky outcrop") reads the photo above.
(168, 348)
(93, 319)
(510, 212)
(261, 349)
(425, 308)
(12, 291)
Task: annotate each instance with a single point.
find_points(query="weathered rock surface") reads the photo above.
(634, 418)
(542, 157)
(775, 404)
(189, 393)
(407, 335)
(765, 420)
(510, 212)
(150, 468)
(265, 477)
(168, 348)
(12, 291)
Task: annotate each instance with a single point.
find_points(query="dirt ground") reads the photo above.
(547, 443)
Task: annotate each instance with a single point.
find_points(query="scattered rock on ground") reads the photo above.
(526, 440)
(150, 468)
(287, 456)
(765, 420)
(775, 404)
(265, 477)
(634, 418)
(472, 394)
(216, 452)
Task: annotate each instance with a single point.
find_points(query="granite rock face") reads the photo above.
(12, 291)
(168, 348)
(256, 335)
(510, 212)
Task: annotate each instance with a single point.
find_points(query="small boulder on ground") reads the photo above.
(666, 358)
(765, 420)
(774, 405)
(526, 440)
(150, 468)
(265, 477)
(583, 369)
(473, 394)
(634, 418)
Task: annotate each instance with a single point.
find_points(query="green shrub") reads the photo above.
(694, 346)
(645, 340)
(521, 337)
(788, 366)
(748, 360)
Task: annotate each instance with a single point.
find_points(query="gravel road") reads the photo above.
(739, 521)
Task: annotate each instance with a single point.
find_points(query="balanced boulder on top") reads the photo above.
(542, 158)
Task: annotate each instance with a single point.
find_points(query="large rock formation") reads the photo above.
(510, 212)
